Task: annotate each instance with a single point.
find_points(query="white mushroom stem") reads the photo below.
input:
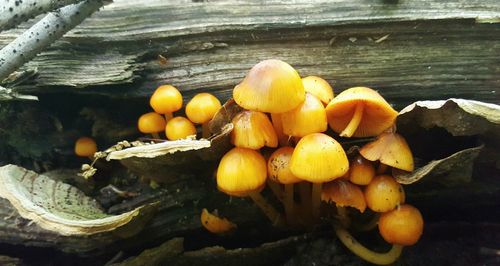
(355, 120)
(12, 12)
(373, 257)
(44, 33)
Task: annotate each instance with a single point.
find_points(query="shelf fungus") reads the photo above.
(61, 208)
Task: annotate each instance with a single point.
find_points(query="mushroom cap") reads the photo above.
(378, 115)
(151, 123)
(85, 147)
(253, 130)
(361, 171)
(202, 107)
(318, 158)
(402, 226)
(179, 127)
(344, 194)
(271, 86)
(278, 166)
(384, 193)
(166, 99)
(241, 171)
(214, 223)
(319, 88)
(390, 149)
(309, 117)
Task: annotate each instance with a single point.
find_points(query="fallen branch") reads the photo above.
(43, 33)
(15, 12)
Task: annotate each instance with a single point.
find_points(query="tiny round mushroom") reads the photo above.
(85, 147)
(179, 127)
(253, 130)
(384, 193)
(165, 100)
(309, 117)
(201, 109)
(360, 112)
(402, 226)
(319, 88)
(151, 123)
(271, 86)
(309, 163)
(243, 172)
(361, 171)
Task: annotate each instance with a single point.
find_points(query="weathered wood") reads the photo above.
(436, 49)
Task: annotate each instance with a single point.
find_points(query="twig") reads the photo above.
(43, 33)
(13, 12)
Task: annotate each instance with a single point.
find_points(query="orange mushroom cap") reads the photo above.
(344, 194)
(376, 114)
(390, 149)
(85, 147)
(179, 128)
(253, 130)
(166, 99)
(361, 171)
(319, 88)
(278, 166)
(309, 117)
(271, 86)
(151, 123)
(202, 108)
(403, 225)
(318, 158)
(384, 193)
(215, 224)
(241, 171)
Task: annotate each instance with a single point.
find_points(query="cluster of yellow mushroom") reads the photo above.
(166, 100)
(290, 114)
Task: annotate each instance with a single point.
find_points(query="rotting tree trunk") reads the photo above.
(408, 50)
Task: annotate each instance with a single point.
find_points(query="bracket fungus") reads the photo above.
(360, 112)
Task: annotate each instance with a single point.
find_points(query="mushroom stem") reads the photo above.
(316, 200)
(305, 203)
(276, 189)
(271, 213)
(205, 130)
(155, 135)
(355, 120)
(371, 224)
(373, 257)
(168, 116)
(343, 216)
(289, 204)
(382, 168)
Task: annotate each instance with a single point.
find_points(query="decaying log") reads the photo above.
(436, 49)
